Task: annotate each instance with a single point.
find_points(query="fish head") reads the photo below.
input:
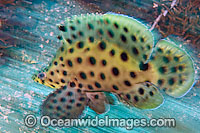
(41, 77)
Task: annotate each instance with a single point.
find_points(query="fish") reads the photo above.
(112, 54)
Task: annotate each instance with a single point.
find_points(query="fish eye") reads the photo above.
(41, 75)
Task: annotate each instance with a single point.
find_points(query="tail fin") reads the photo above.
(175, 69)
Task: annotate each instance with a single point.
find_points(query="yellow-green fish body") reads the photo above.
(112, 53)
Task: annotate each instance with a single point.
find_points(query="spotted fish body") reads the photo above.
(113, 53)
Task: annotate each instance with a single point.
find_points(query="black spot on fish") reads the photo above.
(72, 84)
(50, 80)
(69, 62)
(78, 104)
(61, 58)
(69, 93)
(90, 26)
(55, 63)
(136, 98)
(115, 87)
(133, 38)
(160, 50)
(64, 87)
(62, 28)
(104, 62)
(83, 75)
(79, 90)
(97, 85)
(128, 96)
(90, 87)
(123, 38)
(92, 74)
(144, 56)
(110, 33)
(100, 32)
(62, 80)
(54, 101)
(58, 108)
(52, 73)
(132, 74)
(102, 45)
(80, 33)
(176, 58)
(174, 69)
(102, 76)
(106, 21)
(171, 81)
(80, 85)
(91, 39)
(69, 107)
(151, 93)
(71, 50)
(141, 91)
(57, 71)
(162, 69)
(112, 52)
(69, 41)
(124, 56)
(180, 82)
(81, 99)
(92, 60)
(72, 28)
(57, 82)
(59, 91)
(59, 37)
(142, 39)
(116, 25)
(135, 51)
(80, 44)
(71, 100)
(74, 36)
(96, 96)
(166, 59)
(125, 29)
(62, 49)
(79, 60)
(62, 99)
(64, 73)
(127, 83)
(115, 71)
(143, 66)
(160, 82)
(180, 68)
(148, 47)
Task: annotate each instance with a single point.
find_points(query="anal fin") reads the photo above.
(143, 96)
(97, 102)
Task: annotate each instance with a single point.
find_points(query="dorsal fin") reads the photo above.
(126, 32)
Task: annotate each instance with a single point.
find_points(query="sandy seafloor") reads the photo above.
(31, 27)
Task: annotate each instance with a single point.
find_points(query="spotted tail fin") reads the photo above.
(174, 68)
(143, 96)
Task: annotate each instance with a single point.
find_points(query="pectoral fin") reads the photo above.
(143, 96)
(66, 102)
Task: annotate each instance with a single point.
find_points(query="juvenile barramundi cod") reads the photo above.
(112, 53)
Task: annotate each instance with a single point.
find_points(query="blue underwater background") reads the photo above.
(28, 42)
